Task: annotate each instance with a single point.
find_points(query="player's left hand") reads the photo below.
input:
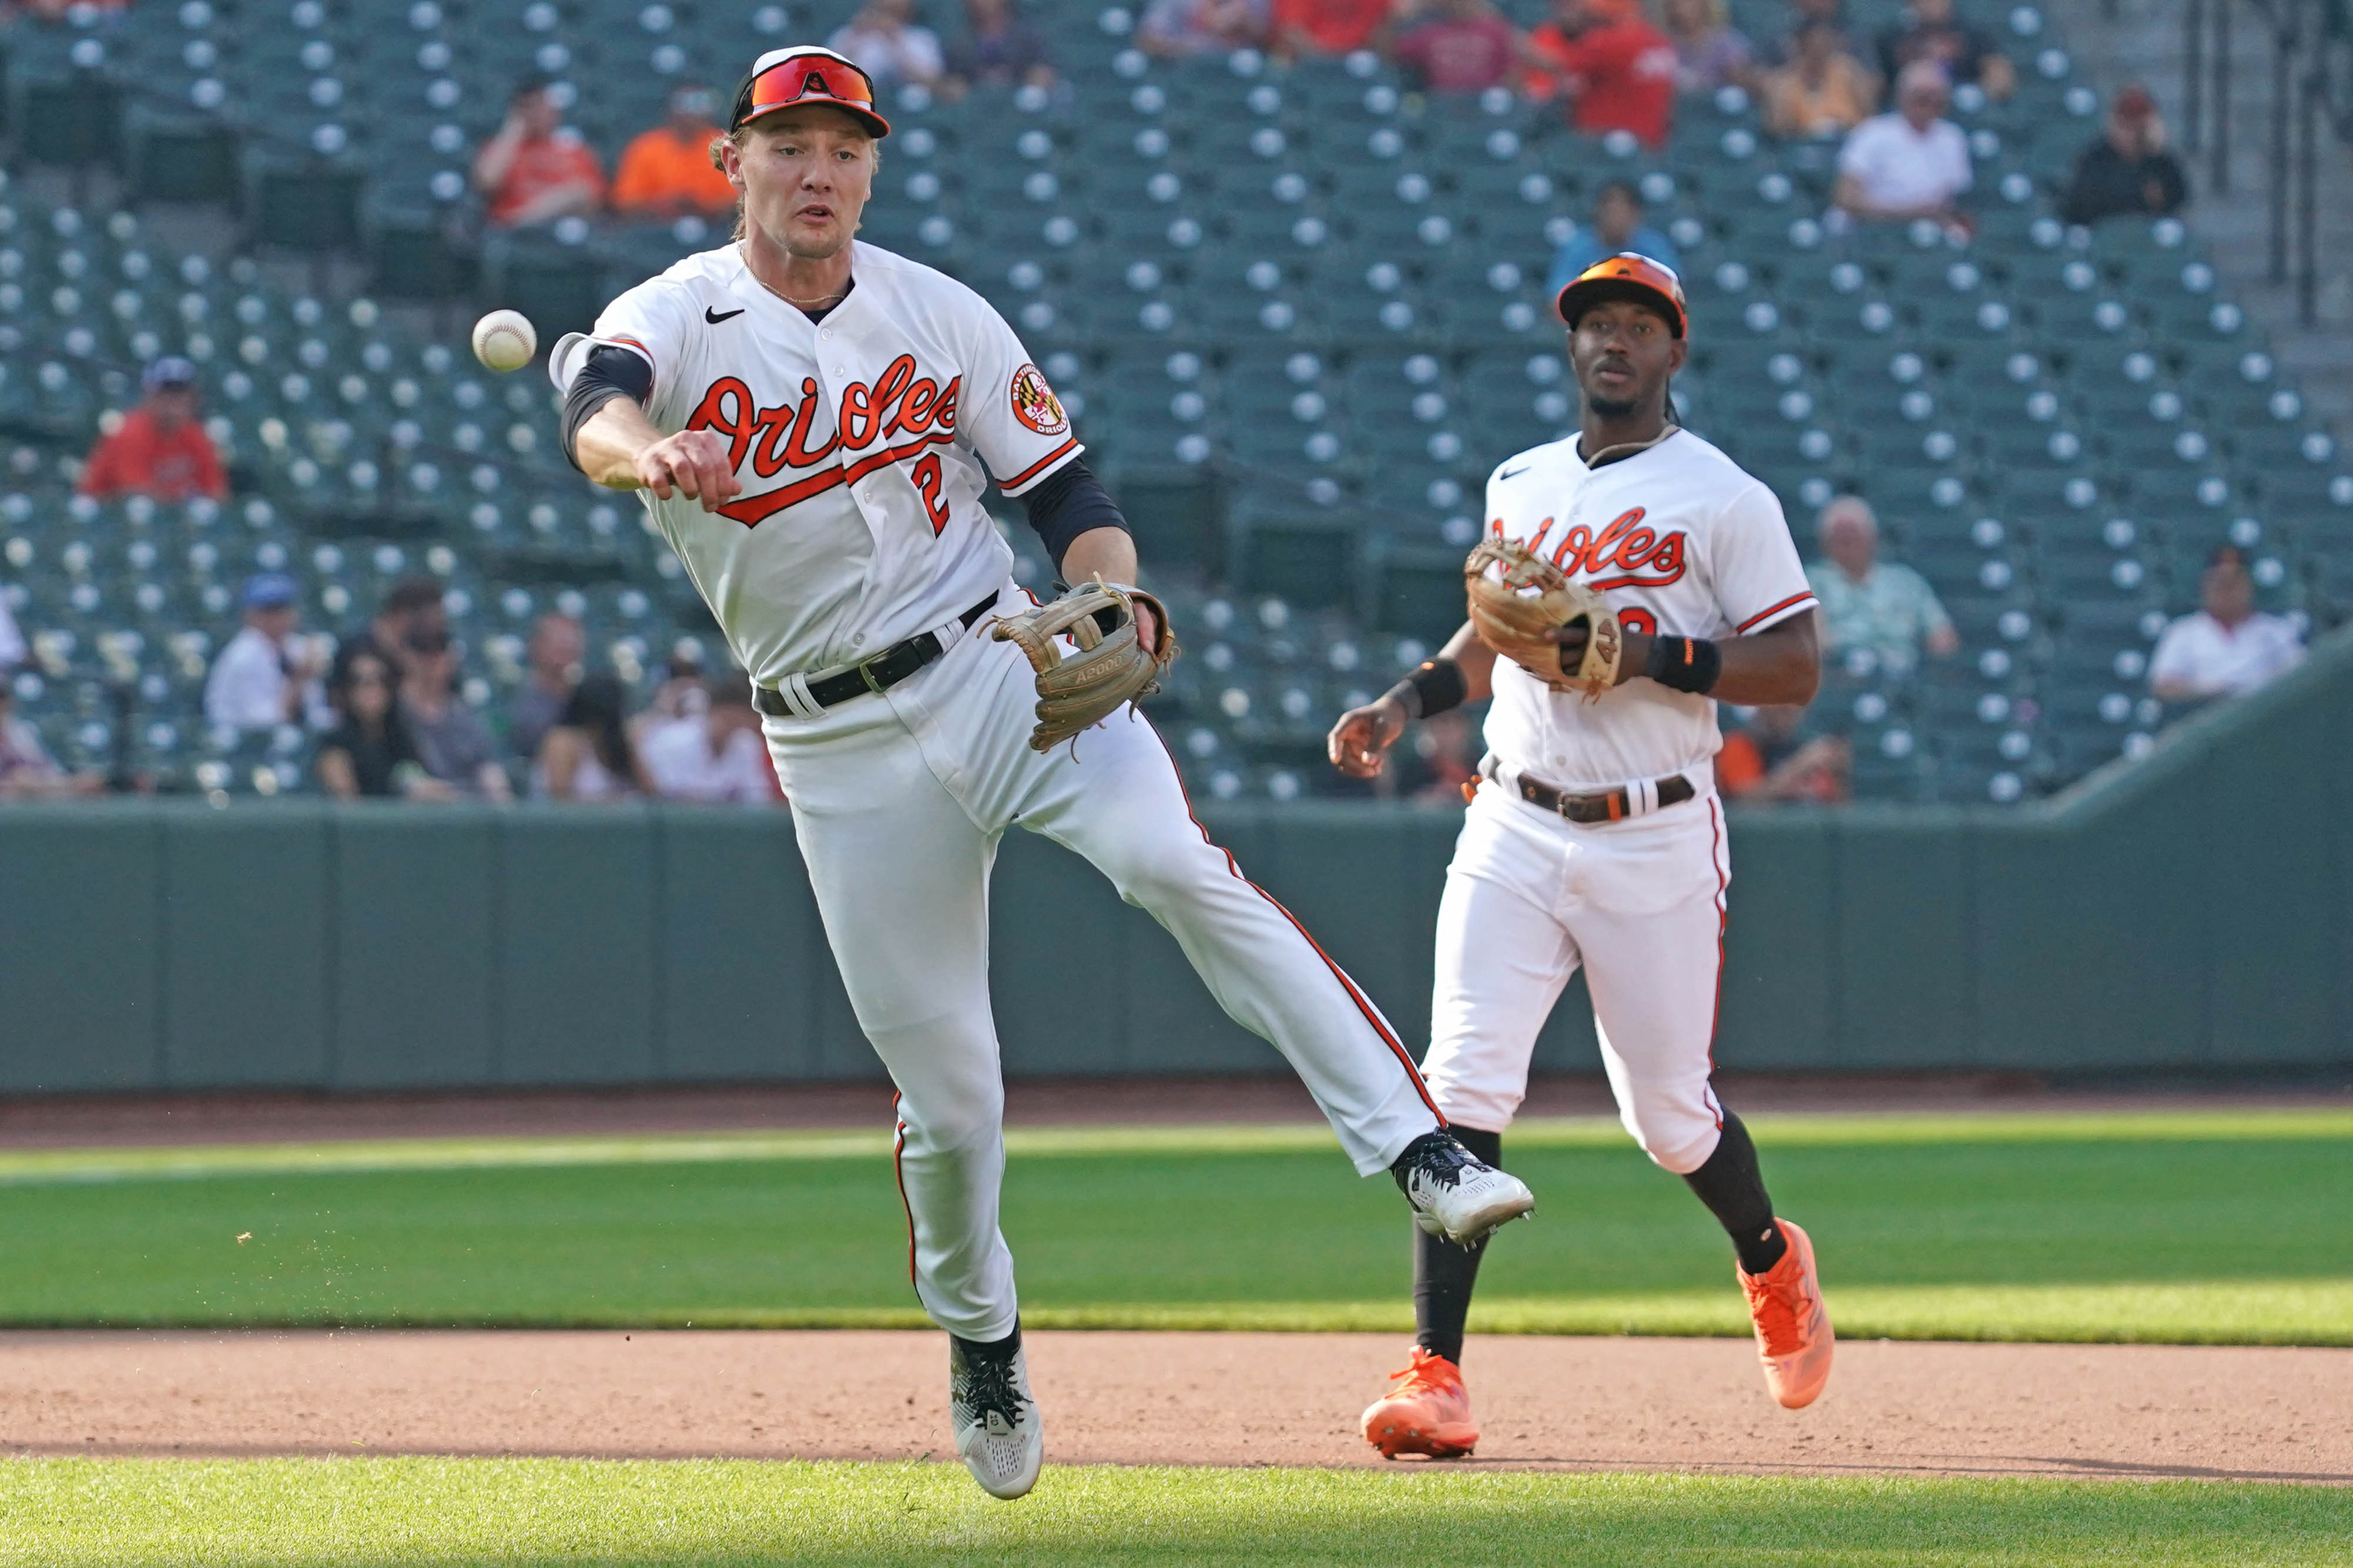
(1634, 661)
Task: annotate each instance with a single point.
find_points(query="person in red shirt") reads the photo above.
(160, 449)
(534, 170)
(1617, 72)
(1453, 45)
(1326, 27)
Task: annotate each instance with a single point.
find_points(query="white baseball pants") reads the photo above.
(1639, 903)
(899, 800)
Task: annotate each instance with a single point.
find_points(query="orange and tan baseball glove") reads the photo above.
(1520, 603)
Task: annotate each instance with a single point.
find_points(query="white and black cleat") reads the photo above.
(1454, 1193)
(996, 1421)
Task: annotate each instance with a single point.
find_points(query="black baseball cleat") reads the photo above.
(995, 1420)
(1453, 1193)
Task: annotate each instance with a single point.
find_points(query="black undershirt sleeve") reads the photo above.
(610, 372)
(1068, 503)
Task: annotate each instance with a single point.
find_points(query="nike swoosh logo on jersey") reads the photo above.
(715, 317)
(1513, 473)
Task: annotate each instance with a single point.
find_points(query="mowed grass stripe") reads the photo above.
(2197, 1238)
(192, 1162)
(554, 1513)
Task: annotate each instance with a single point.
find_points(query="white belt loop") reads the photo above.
(795, 692)
(1641, 797)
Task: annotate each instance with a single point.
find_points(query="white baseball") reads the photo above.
(504, 340)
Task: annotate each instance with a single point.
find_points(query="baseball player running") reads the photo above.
(807, 420)
(1631, 575)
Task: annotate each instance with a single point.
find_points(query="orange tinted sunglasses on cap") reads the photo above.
(782, 78)
(1628, 275)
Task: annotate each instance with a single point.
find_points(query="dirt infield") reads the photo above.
(2110, 1411)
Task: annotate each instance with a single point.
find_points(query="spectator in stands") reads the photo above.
(266, 676)
(1771, 757)
(1453, 45)
(412, 606)
(717, 755)
(998, 49)
(1448, 746)
(1709, 52)
(1912, 163)
(453, 744)
(13, 650)
(1179, 30)
(27, 771)
(890, 45)
(667, 172)
(160, 449)
(536, 169)
(1782, 47)
(1824, 92)
(1621, 222)
(1612, 70)
(1930, 32)
(1872, 606)
(1326, 27)
(2128, 172)
(587, 754)
(557, 646)
(2228, 647)
(370, 753)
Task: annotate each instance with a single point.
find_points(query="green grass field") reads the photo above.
(2186, 1226)
(127, 1513)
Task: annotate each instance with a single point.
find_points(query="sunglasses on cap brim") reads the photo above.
(809, 79)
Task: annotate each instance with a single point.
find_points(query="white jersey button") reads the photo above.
(825, 332)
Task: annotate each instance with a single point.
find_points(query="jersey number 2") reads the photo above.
(928, 480)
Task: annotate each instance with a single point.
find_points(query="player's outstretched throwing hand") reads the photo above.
(1358, 742)
(693, 463)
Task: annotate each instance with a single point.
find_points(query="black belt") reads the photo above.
(1611, 805)
(882, 672)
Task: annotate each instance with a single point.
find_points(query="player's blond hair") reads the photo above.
(741, 137)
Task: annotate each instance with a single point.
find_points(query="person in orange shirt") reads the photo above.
(1772, 758)
(160, 449)
(667, 172)
(533, 169)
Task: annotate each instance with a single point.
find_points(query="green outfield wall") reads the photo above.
(2192, 910)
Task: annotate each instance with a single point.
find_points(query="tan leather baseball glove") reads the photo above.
(1111, 670)
(1519, 601)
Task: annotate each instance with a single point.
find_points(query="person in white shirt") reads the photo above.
(2229, 648)
(264, 677)
(887, 41)
(1594, 839)
(12, 641)
(812, 422)
(715, 755)
(1912, 164)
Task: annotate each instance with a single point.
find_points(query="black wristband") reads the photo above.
(1686, 664)
(1431, 690)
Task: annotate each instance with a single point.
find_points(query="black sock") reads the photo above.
(1733, 1188)
(1444, 1273)
(992, 1350)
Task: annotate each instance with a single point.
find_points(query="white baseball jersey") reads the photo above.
(1680, 540)
(859, 441)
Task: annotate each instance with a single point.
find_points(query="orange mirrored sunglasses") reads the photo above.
(816, 76)
(1629, 272)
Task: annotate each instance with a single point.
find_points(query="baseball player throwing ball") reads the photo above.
(807, 420)
(1630, 575)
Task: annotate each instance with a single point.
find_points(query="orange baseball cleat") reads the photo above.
(1793, 1327)
(1428, 1412)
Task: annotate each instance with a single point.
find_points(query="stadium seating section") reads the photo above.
(1296, 312)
